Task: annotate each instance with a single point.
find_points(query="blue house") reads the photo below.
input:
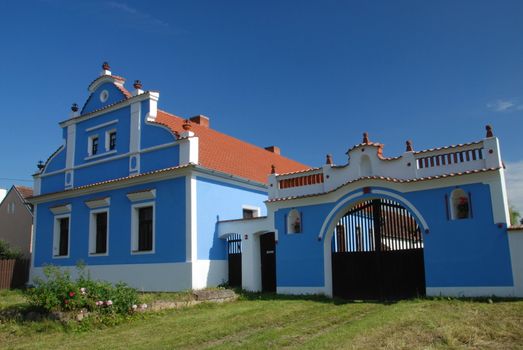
(165, 203)
(136, 192)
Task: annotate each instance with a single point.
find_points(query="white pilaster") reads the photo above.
(69, 156)
(189, 149)
(134, 139)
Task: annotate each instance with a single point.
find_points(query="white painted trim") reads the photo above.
(134, 228)
(191, 219)
(61, 209)
(471, 291)
(154, 148)
(135, 136)
(56, 237)
(100, 155)
(163, 277)
(189, 150)
(98, 202)
(90, 140)
(103, 125)
(111, 108)
(255, 209)
(515, 241)
(301, 290)
(70, 146)
(107, 140)
(92, 232)
(209, 273)
(142, 195)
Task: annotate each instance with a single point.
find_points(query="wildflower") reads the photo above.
(144, 306)
(82, 291)
(66, 301)
(108, 303)
(134, 307)
(71, 294)
(99, 303)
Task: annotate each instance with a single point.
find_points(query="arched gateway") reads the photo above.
(377, 252)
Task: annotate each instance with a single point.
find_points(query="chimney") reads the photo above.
(273, 149)
(201, 120)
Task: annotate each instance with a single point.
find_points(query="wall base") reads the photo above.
(471, 291)
(300, 290)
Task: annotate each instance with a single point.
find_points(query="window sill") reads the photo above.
(142, 252)
(99, 155)
(60, 256)
(98, 254)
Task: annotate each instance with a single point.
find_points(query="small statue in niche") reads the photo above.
(463, 208)
(297, 225)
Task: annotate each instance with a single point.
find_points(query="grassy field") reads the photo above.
(265, 321)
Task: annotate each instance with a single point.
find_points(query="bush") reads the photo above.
(59, 292)
(6, 252)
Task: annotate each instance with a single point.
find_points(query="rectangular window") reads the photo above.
(101, 233)
(145, 229)
(61, 241)
(112, 140)
(94, 146)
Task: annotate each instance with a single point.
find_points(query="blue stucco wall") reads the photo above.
(122, 134)
(220, 201)
(52, 183)
(93, 102)
(170, 241)
(160, 159)
(468, 252)
(57, 162)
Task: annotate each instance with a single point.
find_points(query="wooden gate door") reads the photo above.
(377, 253)
(234, 248)
(268, 262)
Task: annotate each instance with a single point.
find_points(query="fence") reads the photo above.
(13, 273)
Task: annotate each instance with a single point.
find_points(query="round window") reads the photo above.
(104, 95)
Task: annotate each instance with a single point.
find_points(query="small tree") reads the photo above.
(514, 215)
(6, 252)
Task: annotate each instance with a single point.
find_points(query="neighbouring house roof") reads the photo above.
(24, 191)
(227, 154)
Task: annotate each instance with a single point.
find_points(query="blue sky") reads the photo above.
(309, 77)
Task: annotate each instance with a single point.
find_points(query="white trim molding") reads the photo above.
(98, 202)
(56, 236)
(135, 228)
(61, 209)
(142, 195)
(99, 126)
(93, 233)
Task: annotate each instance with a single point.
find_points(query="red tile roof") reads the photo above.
(227, 154)
(24, 191)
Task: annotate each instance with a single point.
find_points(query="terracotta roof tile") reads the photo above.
(24, 191)
(229, 155)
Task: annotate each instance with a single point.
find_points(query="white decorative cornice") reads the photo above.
(141, 195)
(98, 202)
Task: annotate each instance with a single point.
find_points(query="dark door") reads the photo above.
(268, 262)
(234, 248)
(377, 253)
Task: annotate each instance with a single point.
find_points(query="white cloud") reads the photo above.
(136, 14)
(504, 105)
(514, 177)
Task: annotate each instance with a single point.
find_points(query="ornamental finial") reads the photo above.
(105, 66)
(366, 137)
(409, 146)
(273, 169)
(186, 125)
(489, 130)
(137, 84)
(74, 107)
(329, 159)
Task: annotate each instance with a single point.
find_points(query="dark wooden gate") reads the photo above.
(377, 253)
(268, 262)
(234, 248)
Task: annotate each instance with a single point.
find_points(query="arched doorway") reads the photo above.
(377, 252)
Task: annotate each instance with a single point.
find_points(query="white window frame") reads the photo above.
(92, 232)
(135, 225)
(256, 210)
(90, 145)
(56, 236)
(108, 141)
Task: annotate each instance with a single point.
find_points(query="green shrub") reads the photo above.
(6, 252)
(59, 292)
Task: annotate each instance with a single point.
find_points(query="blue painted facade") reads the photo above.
(470, 252)
(217, 200)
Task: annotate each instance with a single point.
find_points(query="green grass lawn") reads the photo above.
(265, 321)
